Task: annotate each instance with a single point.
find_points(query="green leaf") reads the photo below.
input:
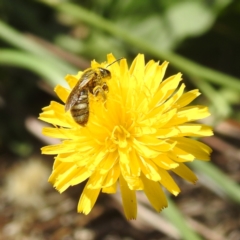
(189, 18)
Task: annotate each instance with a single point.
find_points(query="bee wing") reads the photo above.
(75, 93)
(86, 78)
(73, 97)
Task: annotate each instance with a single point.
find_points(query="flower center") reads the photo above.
(120, 136)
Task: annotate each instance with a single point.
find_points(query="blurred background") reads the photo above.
(42, 41)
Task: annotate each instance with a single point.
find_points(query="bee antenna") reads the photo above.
(114, 62)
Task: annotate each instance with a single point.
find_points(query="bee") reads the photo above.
(93, 81)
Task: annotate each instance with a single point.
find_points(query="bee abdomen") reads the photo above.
(80, 110)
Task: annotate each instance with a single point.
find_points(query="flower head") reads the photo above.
(136, 137)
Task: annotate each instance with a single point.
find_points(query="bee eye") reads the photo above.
(104, 72)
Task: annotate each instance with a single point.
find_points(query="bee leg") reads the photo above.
(97, 90)
(105, 87)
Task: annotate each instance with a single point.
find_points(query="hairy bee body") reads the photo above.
(92, 81)
(80, 110)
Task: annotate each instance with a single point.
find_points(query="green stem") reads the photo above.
(228, 186)
(185, 65)
(34, 63)
(174, 216)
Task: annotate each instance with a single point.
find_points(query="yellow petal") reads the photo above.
(163, 161)
(134, 163)
(62, 133)
(167, 132)
(137, 68)
(96, 180)
(187, 98)
(57, 148)
(82, 175)
(87, 200)
(149, 75)
(128, 199)
(154, 75)
(62, 92)
(114, 67)
(129, 170)
(189, 114)
(197, 149)
(194, 130)
(168, 182)
(159, 120)
(149, 169)
(164, 147)
(180, 155)
(56, 115)
(71, 177)
(58, 168)
(143, 150)
(111, 178)
(184, 172)
(110, 190)
(110, 160)
(98, 157)
(142, 130)
(72, 80)
(154, 194)
(101, 178)
(166, 89)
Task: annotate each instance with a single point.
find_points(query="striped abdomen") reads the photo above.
(80, 110)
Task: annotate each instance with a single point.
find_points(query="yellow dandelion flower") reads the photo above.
(135, 138)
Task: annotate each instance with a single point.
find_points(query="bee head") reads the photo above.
(105, 73)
